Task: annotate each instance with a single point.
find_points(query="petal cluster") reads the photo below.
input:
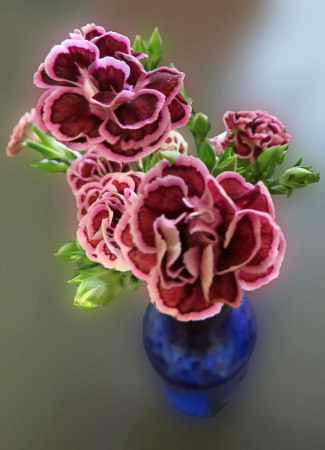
(198, 240)
(98, 92)
(251, 132)
(101, 206)
(92, 167)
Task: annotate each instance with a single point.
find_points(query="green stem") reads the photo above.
(47, 151)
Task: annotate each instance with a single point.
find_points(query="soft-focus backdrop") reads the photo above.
(76, 380)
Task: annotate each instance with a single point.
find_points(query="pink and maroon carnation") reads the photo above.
(112, 182)
(92, 167)
(101, 206)
(99, 93)
(252, 132)
(198, 240)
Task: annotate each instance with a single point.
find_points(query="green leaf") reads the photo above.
(298, 163)
(50, 165)
(44, 150)
(170, 155)
(264, 166)
(155, 49)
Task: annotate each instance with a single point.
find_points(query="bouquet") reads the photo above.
(198, 229)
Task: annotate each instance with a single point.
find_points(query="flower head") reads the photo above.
(92, 167)
(198, 240)
(99, 93)
(251, 132)
(22, 131)
(100, 209)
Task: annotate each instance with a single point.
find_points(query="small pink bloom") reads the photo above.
(100, 211)
(220, 143)
(99, 93)
(92, 167)
(22, 131)
(198, 240)
(176, 142)
(252, 132)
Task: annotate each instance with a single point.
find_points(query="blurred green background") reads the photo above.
(76, 380)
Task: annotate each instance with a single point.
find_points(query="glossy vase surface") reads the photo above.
(200, 362)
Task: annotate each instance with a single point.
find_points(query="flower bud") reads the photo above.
(99, 289)
(200, 125)
(298, 177)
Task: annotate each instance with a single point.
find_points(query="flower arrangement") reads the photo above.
(199, 229)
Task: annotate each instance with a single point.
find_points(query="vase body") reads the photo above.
(200, 363)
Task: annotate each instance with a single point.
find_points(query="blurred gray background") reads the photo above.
(76, 380)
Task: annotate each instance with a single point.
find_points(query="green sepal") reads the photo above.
(50, 165)
(155, 49)
(73, 252)
(228, 165)
(142, 47)
(129, 281)
(298, 177)
(146, 162)
(170, 155)
(199, 125)
(207, 154)
(264, 166)
(45, 150)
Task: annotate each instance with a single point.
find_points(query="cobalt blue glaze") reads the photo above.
(200, 362)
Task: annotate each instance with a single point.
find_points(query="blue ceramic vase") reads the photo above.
(200, 363)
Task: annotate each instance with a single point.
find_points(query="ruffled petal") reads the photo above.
(243, 245)
(165, 80)
(185, 302)
(91, 31)
(139, 262)
(68, 60)
(142, 109)
(192, 171)
(68, 116)
(39, 111)
(110, 74)
(111, 43)
(43, 80)
(162, 197)
(180, 112)
(136, 68)
(245, 195)
(251, 281)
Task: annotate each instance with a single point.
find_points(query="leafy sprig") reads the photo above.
(96, 285)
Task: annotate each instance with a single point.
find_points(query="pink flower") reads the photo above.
(22, 131)
(252, 132)
(198, 240)
(97, 225)
(176, 142)
(92, 167)
(112, 182)
(99, 93)
(220, 143)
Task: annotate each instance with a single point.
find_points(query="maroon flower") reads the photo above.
(99, 93)
(198, 240)
(100, 213)
(92, 167)
(252, 132)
